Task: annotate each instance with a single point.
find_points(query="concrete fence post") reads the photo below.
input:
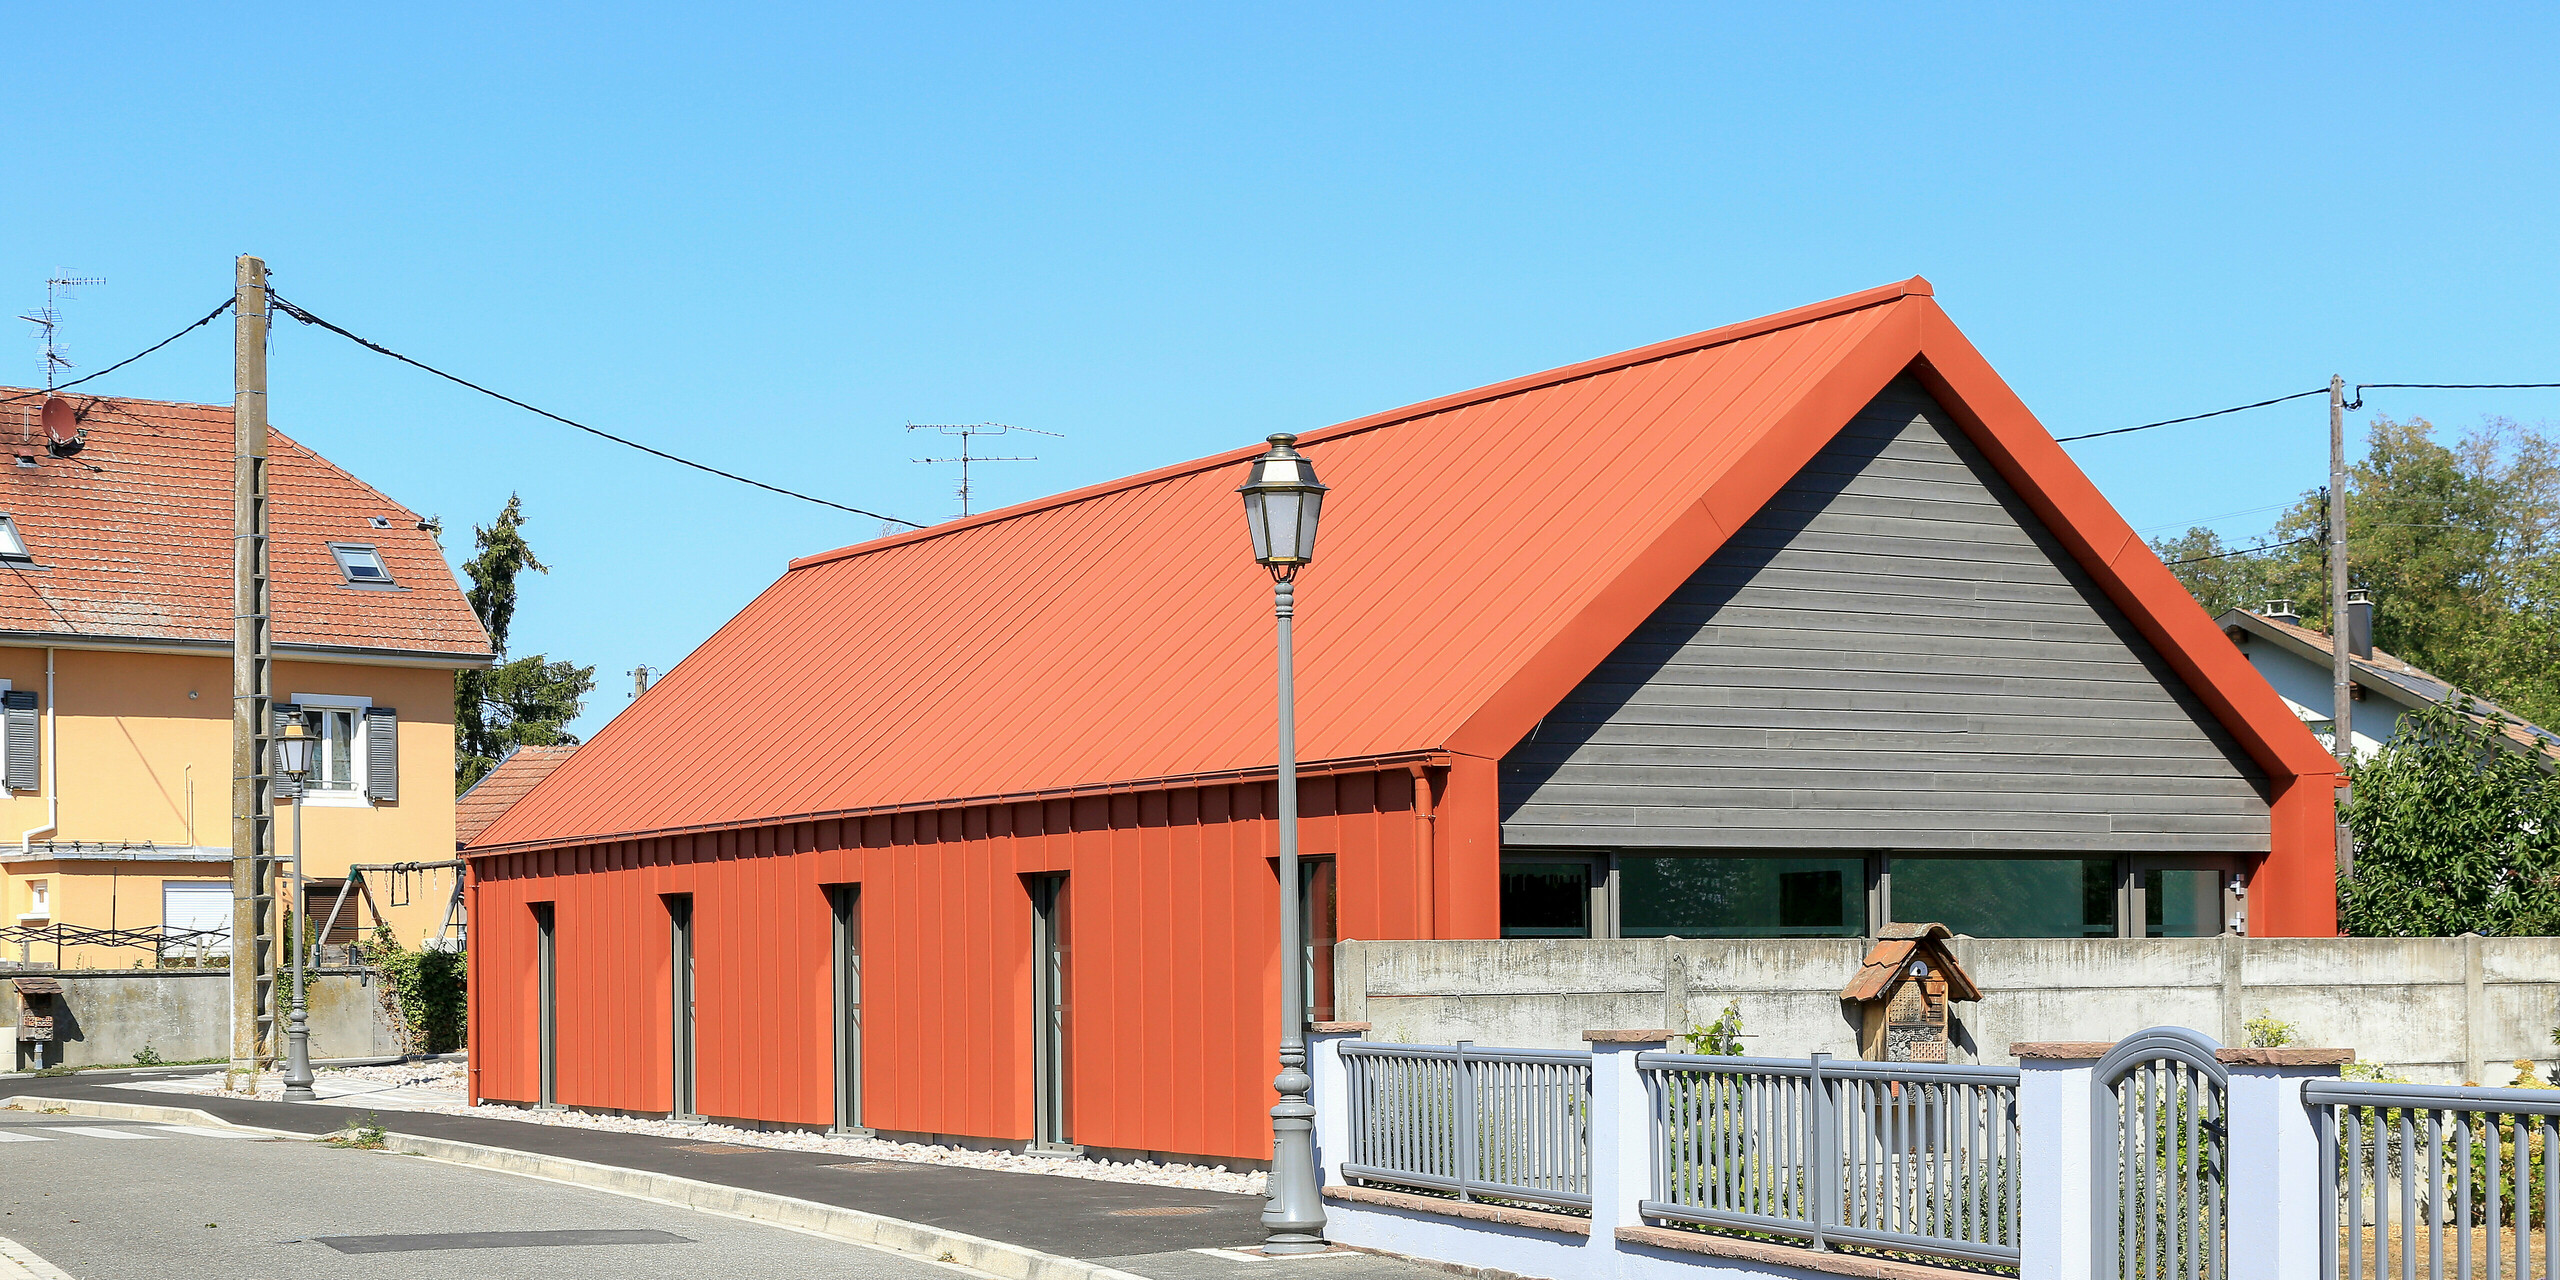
(2273, 1227)
(1621, 1131)
(2054, 1130)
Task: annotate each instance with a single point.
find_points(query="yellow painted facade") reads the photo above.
(145, 793)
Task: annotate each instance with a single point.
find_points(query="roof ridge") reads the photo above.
(1761, 326)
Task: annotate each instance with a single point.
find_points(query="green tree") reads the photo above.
(523, 702)
(2460, 546)
(2457, 831)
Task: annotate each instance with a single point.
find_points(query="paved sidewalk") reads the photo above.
(1151, 1231)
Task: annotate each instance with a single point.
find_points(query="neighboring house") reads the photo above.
(1798, 627)
(2297, 660)
(115, 654)
(503, 785)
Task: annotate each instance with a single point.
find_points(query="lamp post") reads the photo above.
(293, 759)
(1281, 501)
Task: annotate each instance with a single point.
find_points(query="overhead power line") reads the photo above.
(209, 318)
(2362, 387)
(2193, 417)
(369, 344)
(2244, 551)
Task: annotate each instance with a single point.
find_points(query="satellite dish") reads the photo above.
(62, 434)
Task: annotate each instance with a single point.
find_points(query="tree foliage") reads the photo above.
(2456, 831)
(2459, 544)
(519, 702)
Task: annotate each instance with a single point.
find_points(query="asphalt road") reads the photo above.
(120, 1200)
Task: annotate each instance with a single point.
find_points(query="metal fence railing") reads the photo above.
(2419, 1178)
(1498, 1124)
(1914, 1157)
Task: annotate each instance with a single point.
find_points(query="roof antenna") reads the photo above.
(48, 322)
(966, 431)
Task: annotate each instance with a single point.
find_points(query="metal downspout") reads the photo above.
(1426, 842)
(52, 765)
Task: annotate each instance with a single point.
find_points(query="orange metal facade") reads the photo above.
(1174, 960)
(1083, 684)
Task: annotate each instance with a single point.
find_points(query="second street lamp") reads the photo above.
(1281, 501)
(293, 759)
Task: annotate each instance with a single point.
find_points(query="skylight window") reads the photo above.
(361, 564)
(12, 547)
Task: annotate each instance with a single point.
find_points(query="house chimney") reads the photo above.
(2360, 623)
(2281, 611)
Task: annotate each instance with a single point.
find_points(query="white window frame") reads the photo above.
(355, 797)
(338, 555)
(39, 899)
(13, 541)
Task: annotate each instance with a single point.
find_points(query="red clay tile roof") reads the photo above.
(1481, 552)
(132, 539)
(502, 787)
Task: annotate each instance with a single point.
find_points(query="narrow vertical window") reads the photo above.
(1318, 912)
(680, 1002)
(1051, 984)
(845, 900)
(547, 1002)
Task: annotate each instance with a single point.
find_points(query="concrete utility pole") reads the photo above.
(2341, 671)
(252, 688)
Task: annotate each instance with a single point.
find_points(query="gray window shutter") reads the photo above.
(285, 788)
(382, 753)
(19, 705)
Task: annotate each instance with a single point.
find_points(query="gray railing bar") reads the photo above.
(1932, 1072)
(2359, 1093)
(1382, 1049)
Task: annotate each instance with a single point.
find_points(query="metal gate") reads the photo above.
(2160, 1140)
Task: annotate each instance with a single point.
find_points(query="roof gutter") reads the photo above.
(356, 654)
(1397, 761)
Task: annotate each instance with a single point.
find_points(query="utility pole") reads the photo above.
(252, 690)
(2342, 737)
(640, 680)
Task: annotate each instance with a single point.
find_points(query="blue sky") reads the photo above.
(768, 237)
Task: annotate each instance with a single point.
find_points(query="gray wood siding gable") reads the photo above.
(1893, 654)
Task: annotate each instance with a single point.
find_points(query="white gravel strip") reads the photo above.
(438, 1087)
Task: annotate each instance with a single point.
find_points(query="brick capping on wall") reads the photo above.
(2061, 1050)
(1783, 1255)
(2285, 1057)
(1507, 1215)
(1654, 1035)
(1339, 1028)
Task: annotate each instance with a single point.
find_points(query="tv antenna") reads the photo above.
(968, 431)
(48, 322)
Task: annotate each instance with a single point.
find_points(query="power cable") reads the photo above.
(208, 319)
(369, 344)
(2244, 551)
(2361, 387)
(2193, 417)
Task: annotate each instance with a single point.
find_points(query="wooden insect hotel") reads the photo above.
(1902, 993)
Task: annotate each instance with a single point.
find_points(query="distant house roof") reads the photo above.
(501, 787)
(2392, 677)
(1481, 554)
(129, 541)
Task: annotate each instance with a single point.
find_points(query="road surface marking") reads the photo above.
(18, 1262)
(87, 1131)
(21, 1135)
(199, 1131)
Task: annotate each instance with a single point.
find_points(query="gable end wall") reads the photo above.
(1893, 654)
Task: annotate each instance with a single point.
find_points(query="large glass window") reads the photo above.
(2009, 897)
(1546, 899)
(2181, 903)
(1756, 897)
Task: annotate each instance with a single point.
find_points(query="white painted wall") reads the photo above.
(2304, 686)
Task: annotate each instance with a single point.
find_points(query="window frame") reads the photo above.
(355, 795)
(338, 552)
(13, 541)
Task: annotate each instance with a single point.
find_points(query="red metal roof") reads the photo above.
(131, 539)
(1480, 553)
(502, 786)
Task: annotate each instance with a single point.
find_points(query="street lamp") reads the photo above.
(293, 759)
(1281, 501)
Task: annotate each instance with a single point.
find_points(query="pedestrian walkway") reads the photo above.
(1164, 1233)
(115, 1133)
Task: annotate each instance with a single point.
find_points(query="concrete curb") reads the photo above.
(991, 1257)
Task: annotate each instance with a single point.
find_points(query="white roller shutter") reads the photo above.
(198, 905)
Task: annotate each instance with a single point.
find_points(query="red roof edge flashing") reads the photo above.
(1915, 287)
